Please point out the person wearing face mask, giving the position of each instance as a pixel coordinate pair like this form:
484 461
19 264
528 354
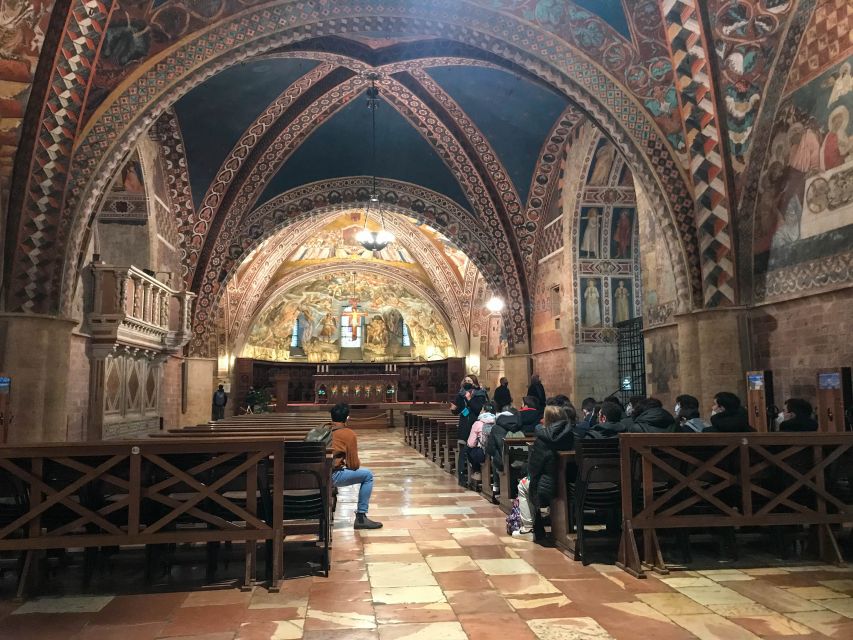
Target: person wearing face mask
728 415
467 405
687 415
797 416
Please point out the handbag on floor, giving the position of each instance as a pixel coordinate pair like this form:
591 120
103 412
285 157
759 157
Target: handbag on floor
513 518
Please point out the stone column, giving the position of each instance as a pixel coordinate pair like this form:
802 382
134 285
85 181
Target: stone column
200 380
712 353
35 354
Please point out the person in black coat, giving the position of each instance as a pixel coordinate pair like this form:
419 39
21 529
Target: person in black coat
728 415
538 488
467 405
537 391
797 416
650 417
503 398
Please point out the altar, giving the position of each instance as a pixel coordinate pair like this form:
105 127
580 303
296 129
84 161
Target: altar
366 388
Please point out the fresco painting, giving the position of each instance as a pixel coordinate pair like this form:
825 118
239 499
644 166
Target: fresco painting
622 233
591 302
337 241
805 203
384 306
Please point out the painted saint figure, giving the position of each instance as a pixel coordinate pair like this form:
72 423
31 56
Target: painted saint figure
328 328
837 145
592 313
623 236
623 310
590 241
603 164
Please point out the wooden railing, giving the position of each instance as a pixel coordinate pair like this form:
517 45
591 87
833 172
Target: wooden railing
143 492
730 480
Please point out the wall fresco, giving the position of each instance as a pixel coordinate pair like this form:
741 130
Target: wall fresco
319 304
805 203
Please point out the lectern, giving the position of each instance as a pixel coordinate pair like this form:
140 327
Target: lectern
759 400
834 400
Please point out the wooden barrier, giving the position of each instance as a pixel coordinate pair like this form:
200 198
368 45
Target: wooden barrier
731 480
513 448
144 492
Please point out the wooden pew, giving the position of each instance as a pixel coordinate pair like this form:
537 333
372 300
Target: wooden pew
106 489
513 448
745 479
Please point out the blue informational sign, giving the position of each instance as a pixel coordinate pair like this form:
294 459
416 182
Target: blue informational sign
626 383
5 384
755 381
829 380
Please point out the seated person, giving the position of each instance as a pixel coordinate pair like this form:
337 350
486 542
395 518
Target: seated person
616 401
650 417
687 415
610 423
728 415
528 417
347 469
586 418
538 487
797 416
480 431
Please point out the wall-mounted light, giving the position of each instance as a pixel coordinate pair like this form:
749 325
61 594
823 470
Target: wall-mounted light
495 304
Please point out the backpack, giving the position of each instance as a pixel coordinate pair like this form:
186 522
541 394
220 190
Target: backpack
513 518
320 434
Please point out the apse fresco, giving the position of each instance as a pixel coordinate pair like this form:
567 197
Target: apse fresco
337 241
805 203
320 304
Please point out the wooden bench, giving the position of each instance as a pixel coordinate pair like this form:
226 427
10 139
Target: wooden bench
513 449
731 480
90 495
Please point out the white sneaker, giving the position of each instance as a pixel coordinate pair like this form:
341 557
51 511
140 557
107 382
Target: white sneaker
523 535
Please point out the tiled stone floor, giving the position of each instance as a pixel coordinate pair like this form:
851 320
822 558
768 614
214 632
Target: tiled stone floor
443 568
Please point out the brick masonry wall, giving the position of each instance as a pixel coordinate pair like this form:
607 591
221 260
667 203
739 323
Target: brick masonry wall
554 369
77 399
796 338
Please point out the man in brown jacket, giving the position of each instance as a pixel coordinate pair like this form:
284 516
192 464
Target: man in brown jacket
347 469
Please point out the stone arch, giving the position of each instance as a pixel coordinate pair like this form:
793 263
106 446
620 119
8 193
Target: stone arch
41 283
309 201
263 267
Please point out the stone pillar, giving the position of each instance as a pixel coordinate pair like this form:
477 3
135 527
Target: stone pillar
35 354
517 372
712 353
200 383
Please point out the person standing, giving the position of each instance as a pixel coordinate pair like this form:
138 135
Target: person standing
220 399
346 467
537 391
503 398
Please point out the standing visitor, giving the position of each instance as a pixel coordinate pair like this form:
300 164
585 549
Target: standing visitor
537 391
220 399
503 398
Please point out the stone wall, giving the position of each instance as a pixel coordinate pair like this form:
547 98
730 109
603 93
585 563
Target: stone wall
78 388
794 339
200 383
170 393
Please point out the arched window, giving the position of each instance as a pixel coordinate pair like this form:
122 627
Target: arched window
404 331
296 336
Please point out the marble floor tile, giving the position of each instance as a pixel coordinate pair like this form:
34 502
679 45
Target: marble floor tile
740 610
407 613
503 567
275 630
672 603
774 624
717 594
678 582
443 564
148 631
464 602
580 628
829 623
388 548
640 610
397 574
523 584
843 586
408 595
431 545
726 575
347 615
463 581
428 631
816 593
710 626
481 626
215 597
779 600
843 606
64 604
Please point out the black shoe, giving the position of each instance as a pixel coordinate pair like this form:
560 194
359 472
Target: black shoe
363 522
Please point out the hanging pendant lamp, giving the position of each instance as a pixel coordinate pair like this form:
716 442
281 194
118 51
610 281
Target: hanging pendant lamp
374 241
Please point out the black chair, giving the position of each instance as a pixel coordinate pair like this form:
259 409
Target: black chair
307 496
596 487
